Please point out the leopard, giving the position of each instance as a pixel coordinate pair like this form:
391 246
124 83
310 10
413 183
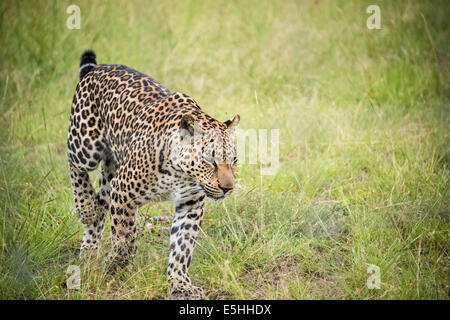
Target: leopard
150 145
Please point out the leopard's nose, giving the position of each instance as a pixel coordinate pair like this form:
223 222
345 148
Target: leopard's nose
225 189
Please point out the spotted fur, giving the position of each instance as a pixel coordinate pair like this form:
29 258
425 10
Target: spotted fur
153 145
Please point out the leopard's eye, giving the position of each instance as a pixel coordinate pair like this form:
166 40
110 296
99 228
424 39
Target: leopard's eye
211 161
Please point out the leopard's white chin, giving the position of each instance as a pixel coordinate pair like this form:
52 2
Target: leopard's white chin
216 199
213 198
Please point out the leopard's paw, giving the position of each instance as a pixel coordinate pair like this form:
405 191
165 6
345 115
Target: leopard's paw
187 293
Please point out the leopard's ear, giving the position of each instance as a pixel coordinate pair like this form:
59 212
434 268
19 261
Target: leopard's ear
232 123
187 123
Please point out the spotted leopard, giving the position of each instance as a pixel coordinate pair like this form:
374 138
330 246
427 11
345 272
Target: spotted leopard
152 145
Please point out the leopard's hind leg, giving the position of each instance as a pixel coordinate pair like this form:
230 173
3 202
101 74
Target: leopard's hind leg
86 206
93 232
87 148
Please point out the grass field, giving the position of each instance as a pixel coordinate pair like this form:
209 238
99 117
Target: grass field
364 145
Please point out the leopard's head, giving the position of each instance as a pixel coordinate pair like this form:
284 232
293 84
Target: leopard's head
206 153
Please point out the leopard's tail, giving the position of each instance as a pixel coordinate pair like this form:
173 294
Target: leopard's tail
87 62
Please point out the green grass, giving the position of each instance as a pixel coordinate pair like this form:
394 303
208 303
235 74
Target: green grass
364 145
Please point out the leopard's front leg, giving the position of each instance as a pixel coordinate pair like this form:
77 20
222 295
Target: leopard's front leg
184 232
